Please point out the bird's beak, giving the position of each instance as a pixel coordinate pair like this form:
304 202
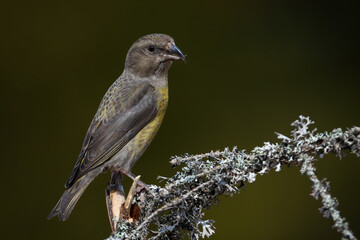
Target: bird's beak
176 52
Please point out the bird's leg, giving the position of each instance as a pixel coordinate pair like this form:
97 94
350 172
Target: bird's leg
141 184
116 179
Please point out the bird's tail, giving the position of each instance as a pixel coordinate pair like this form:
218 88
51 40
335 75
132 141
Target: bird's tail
70 197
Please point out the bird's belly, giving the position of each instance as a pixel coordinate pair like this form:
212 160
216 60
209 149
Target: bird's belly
146 135
127 157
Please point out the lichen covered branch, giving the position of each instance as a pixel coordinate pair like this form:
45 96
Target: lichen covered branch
329 203
177 206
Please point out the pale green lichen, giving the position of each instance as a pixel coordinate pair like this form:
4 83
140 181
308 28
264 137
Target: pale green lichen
176 209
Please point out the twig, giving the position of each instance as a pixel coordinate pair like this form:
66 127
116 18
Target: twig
131 194
329 204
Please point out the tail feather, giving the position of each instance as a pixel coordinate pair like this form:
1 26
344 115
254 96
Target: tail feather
70 197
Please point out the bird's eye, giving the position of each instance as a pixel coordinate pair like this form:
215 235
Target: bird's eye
151 48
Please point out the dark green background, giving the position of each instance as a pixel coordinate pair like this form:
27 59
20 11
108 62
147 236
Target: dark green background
253 67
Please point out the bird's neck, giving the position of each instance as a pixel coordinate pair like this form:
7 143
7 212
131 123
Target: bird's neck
145 71
155 80
163 68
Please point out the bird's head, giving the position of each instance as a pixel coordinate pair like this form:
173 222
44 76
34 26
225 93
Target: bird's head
152 55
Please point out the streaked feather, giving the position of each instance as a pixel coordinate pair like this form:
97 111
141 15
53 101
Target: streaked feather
134 107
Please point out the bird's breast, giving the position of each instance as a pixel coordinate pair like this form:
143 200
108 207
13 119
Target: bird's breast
145 136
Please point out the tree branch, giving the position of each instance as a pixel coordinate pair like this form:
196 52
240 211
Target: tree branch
178 205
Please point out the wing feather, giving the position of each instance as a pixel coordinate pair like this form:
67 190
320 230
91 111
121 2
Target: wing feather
123 112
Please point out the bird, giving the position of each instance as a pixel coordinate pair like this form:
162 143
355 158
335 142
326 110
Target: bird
127 118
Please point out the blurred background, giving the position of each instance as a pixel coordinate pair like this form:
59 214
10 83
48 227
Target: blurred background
252 68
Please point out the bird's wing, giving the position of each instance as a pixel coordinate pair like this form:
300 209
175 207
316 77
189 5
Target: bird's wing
121 115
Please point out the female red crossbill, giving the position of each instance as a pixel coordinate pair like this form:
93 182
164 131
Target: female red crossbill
127 119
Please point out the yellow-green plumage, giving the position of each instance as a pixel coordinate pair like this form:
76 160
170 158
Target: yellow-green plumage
129 116
149 131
